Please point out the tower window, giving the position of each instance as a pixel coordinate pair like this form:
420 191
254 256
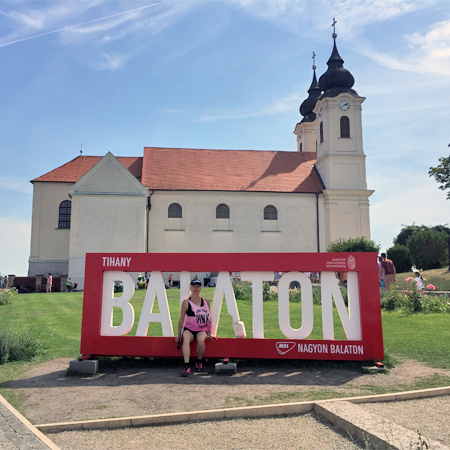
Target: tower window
270 213
175 211
65 211
345 127
301 147
222 211
321 132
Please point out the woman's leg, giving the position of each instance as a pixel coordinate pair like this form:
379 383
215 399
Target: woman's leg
201 337
187 339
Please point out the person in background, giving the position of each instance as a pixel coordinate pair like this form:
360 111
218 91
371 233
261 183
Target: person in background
419 280
170 280
69 285
48 288
387 271
380 278
194 323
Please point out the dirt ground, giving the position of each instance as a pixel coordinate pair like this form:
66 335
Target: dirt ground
48 394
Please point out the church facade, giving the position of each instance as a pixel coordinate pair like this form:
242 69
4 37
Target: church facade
212 201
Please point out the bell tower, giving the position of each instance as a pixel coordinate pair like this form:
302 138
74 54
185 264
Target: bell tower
306 129
340 155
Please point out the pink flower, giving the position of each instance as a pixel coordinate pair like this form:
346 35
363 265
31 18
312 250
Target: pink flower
408 279
430 286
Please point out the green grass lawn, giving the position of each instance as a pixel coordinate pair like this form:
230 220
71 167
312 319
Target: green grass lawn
440 278
57 317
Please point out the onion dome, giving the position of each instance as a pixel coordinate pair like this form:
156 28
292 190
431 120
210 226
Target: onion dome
306 108
336 79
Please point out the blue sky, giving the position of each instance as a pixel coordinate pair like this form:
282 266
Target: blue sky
118 75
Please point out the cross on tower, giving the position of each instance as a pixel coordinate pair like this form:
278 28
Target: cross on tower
314 61
334 28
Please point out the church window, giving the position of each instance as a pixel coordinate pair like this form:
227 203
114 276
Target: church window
175 211
301 147
270 213
222 211
345 127
321 132
65 209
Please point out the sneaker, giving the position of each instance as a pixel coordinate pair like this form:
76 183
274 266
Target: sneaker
186 372
198 367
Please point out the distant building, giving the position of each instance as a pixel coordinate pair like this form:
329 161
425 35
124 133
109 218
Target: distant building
192 200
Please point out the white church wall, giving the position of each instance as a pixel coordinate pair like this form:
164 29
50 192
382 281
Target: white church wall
245 231
105 223
49 250
346 214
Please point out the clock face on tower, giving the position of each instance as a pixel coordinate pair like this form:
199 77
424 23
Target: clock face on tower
344 105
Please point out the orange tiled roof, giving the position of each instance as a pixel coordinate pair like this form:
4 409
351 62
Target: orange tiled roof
216 170
229 170
72 171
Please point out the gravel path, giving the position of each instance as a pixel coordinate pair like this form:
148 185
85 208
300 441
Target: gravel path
431 416
299 432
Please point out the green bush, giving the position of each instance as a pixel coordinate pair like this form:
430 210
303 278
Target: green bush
19 345
360 244
7 296
399 254
414 301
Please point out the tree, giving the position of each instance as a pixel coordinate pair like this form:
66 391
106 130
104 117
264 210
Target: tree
360 244
406 232
442 174
399 254
428 249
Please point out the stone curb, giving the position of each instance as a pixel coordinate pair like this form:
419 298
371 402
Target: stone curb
39 435
232 413
371 429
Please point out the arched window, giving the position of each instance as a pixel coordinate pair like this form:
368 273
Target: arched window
175 211
345 127
222 211
321 132
270 213
301 147
65 209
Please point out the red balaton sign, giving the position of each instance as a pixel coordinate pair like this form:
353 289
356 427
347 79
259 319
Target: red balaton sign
361 320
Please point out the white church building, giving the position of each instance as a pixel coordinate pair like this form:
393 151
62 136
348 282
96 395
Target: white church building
213 201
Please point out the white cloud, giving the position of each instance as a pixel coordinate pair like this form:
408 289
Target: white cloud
287 103
16 184
15 244
406 203
111 61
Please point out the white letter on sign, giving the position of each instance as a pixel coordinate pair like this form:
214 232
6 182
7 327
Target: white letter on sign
224 286
109 301
284 318
257 279
351 321
155 287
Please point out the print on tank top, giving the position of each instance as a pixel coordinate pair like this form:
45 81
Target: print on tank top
201 321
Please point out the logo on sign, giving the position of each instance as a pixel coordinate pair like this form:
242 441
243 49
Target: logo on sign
284 347
351 262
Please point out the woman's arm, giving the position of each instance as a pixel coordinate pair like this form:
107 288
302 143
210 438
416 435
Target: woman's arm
184 307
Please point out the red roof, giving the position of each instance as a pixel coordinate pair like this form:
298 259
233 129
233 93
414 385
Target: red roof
72 171
229 170
201 170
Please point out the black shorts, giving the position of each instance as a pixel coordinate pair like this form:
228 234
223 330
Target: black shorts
194 333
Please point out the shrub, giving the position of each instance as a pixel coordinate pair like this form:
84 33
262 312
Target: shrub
7 296
19 345
399 254
360 244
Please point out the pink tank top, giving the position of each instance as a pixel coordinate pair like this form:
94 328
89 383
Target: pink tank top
201 321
